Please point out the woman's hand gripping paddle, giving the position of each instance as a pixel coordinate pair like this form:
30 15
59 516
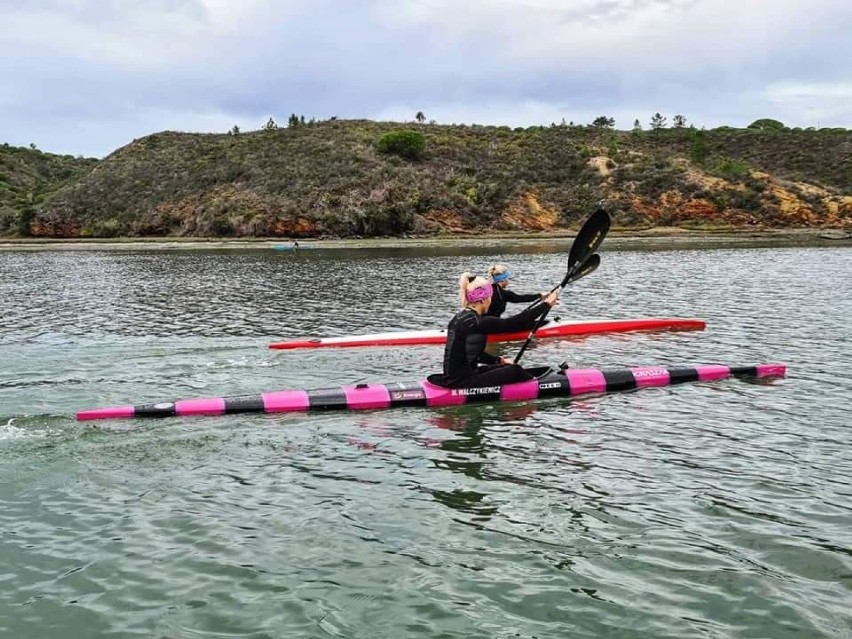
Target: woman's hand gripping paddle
582 260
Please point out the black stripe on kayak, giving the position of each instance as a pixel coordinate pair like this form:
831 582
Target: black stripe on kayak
244 404
682 374
553 384
163 409
619 380
406 394
327 399
744 371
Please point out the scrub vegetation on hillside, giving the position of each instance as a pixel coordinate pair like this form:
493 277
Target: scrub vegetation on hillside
364 178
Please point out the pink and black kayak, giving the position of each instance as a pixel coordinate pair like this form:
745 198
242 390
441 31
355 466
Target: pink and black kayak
548 382
555 329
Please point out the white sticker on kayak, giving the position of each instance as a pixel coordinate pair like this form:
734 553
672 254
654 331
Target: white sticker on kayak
478 390
649 372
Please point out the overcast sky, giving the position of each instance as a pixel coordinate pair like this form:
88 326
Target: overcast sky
88 76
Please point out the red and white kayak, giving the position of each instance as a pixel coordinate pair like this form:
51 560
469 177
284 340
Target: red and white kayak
548 382
555 329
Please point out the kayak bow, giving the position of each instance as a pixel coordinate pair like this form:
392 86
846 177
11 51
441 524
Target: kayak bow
548 382
555 329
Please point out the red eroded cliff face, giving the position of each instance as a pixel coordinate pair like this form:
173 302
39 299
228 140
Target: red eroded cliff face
526 213
757 199
55 228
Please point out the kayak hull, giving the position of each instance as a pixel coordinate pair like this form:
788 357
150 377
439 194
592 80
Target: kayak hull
555 329
548 382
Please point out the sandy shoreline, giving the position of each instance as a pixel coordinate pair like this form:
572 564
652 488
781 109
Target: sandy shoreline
618 240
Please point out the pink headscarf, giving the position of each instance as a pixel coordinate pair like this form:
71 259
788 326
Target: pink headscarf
478 294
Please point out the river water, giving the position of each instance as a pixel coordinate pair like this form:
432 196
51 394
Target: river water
701 510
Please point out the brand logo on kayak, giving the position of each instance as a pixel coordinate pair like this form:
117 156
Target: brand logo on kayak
406 394
549 385
481 390
649 372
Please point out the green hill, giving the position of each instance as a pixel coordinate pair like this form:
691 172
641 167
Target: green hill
28 177
350 178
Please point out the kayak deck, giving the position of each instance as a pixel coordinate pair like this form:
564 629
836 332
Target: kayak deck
548 382
555 329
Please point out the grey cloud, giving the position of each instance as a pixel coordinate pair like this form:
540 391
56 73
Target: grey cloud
184 61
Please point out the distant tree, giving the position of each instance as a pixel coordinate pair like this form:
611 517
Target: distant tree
767 124
637 128
332 118
698 150
678 121
25 220
658 122
234 131
293 120
420 117
603 122
406 144
270 125
301 119
33 146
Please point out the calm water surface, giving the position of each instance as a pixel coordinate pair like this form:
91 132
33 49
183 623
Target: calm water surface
704 510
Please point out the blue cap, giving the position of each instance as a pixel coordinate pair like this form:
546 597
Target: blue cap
500 277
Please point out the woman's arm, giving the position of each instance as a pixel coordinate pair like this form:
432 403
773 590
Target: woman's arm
511 296
524 320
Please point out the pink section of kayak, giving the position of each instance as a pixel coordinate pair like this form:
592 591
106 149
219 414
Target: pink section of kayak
285 401
585 380
520 391
646 376
712 372
439 396
207 406
370 396
771 370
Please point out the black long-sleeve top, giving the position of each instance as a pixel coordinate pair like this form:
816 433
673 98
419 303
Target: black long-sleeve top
466 340
500 296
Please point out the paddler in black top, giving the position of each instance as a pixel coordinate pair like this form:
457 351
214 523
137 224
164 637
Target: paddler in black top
466 363
500 274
